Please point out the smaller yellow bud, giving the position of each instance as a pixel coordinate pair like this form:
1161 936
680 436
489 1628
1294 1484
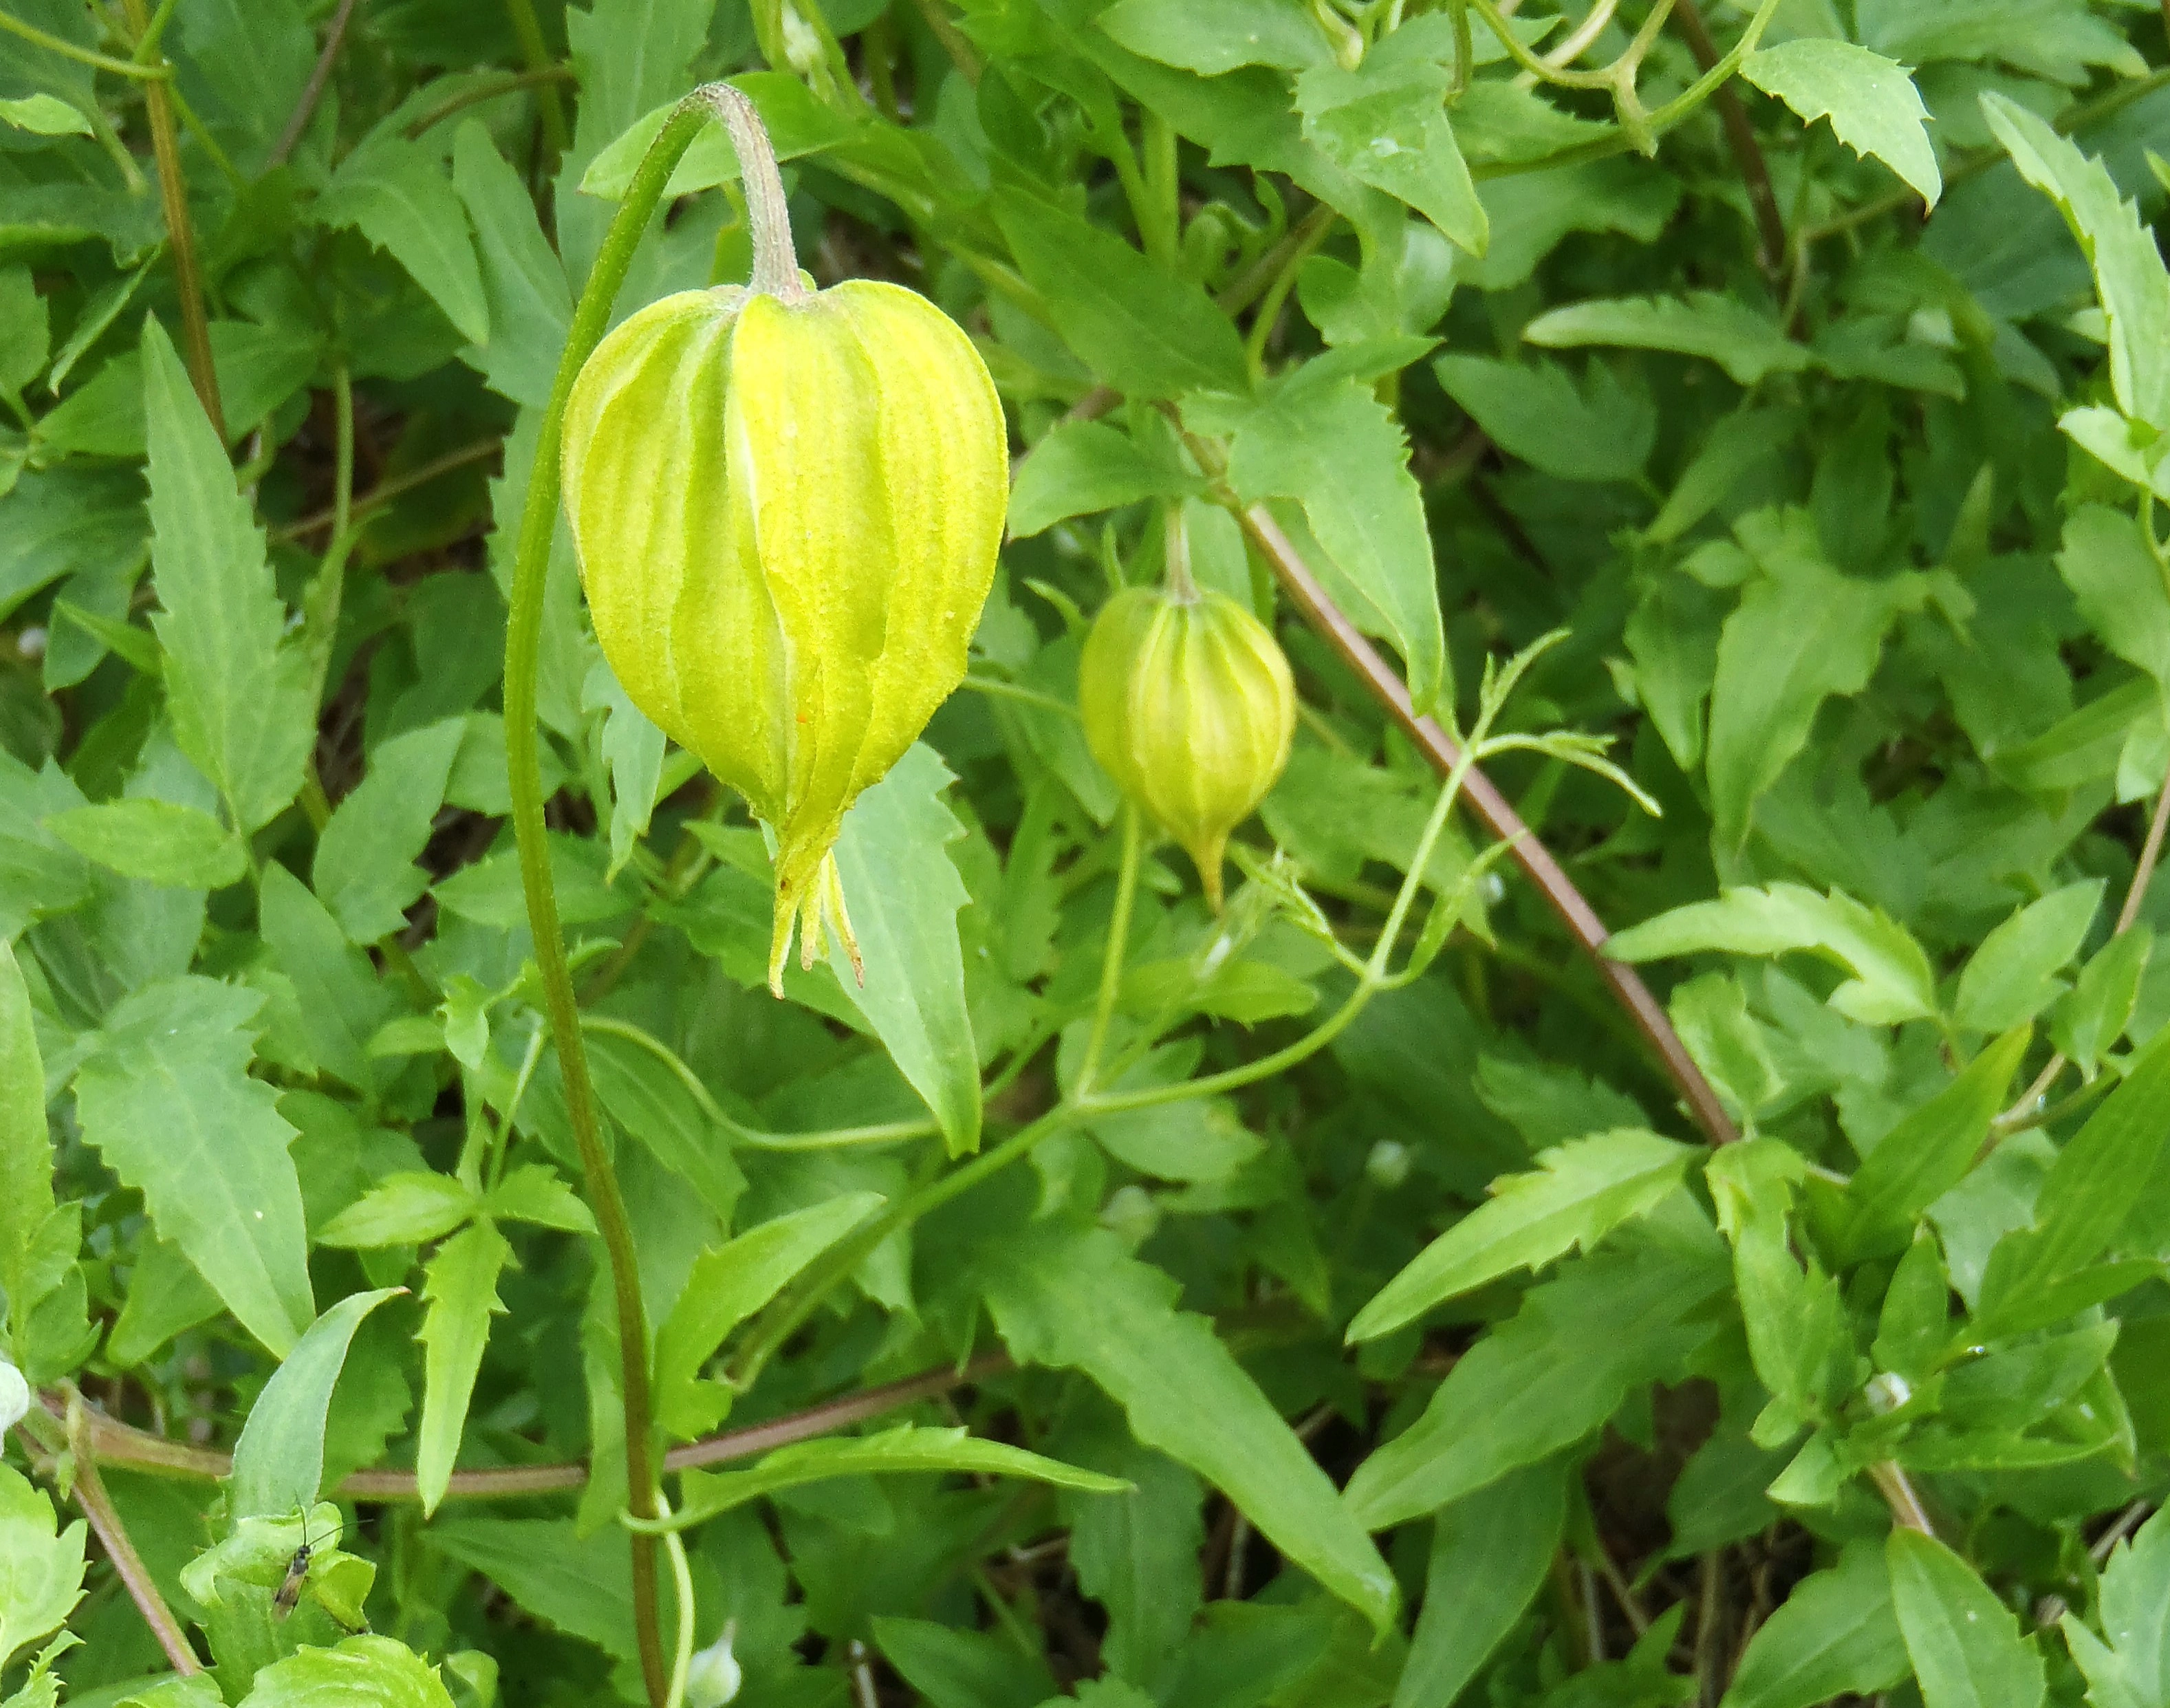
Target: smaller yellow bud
1189 705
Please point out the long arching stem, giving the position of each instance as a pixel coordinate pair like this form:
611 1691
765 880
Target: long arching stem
522 652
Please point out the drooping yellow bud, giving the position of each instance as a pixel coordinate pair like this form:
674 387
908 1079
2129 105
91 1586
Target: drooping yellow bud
1189 705
786 506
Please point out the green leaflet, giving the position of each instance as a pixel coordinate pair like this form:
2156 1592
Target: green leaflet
155 840
1544 1380
393 194
1325 444
40 1565
2127 268
1892 978
904 1449
1837 1635
727 1285
1144 333
1872 104
1584 1189
1490 1552
2091 1190
364 872
26 1155
1962 1641
238 686
1930 1150
1068 1295
904 894
279 1461
461 1293
167 1097
363 1670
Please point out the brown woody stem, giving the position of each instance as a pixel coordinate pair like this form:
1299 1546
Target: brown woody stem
1741 137
174 195
1498 817
113 1442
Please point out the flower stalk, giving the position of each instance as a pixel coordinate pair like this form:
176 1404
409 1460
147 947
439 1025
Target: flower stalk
523 643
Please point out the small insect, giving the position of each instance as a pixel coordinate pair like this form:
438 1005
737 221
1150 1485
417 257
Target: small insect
297 1571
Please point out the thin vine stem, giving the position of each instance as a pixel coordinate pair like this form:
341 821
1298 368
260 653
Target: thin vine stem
115 1442
536 52
2029 1111
1118 945
47 1436
523 645
783 1320
84 56
508 84
1651 125
173 197
828 1138
314 91
682 1581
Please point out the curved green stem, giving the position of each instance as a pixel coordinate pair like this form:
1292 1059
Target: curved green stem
1119 938
1654 124
1308 237
84 56
783 1320
995 687
523 643
681 1580
827 1138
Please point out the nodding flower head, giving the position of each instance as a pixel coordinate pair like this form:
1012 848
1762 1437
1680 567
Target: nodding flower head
787 507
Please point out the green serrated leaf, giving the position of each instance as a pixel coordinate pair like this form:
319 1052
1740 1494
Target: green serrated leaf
26 1151
460 1292
408 1208
167 1097
45 116
1491 1551
368 1672
2102 1172
40 1565
1084 467
157 841
1386 125
1872 104
1580 1192
1724 330
393 192
903 893
727 1285
1146 332
237 687
2128 267
1892 982
1834 1635
1329 446
1213 36
1548 1378
1929 1151
364 872
1596 430
1069 1296
2012 977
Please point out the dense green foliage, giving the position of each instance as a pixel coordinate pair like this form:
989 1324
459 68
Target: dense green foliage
1742 433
